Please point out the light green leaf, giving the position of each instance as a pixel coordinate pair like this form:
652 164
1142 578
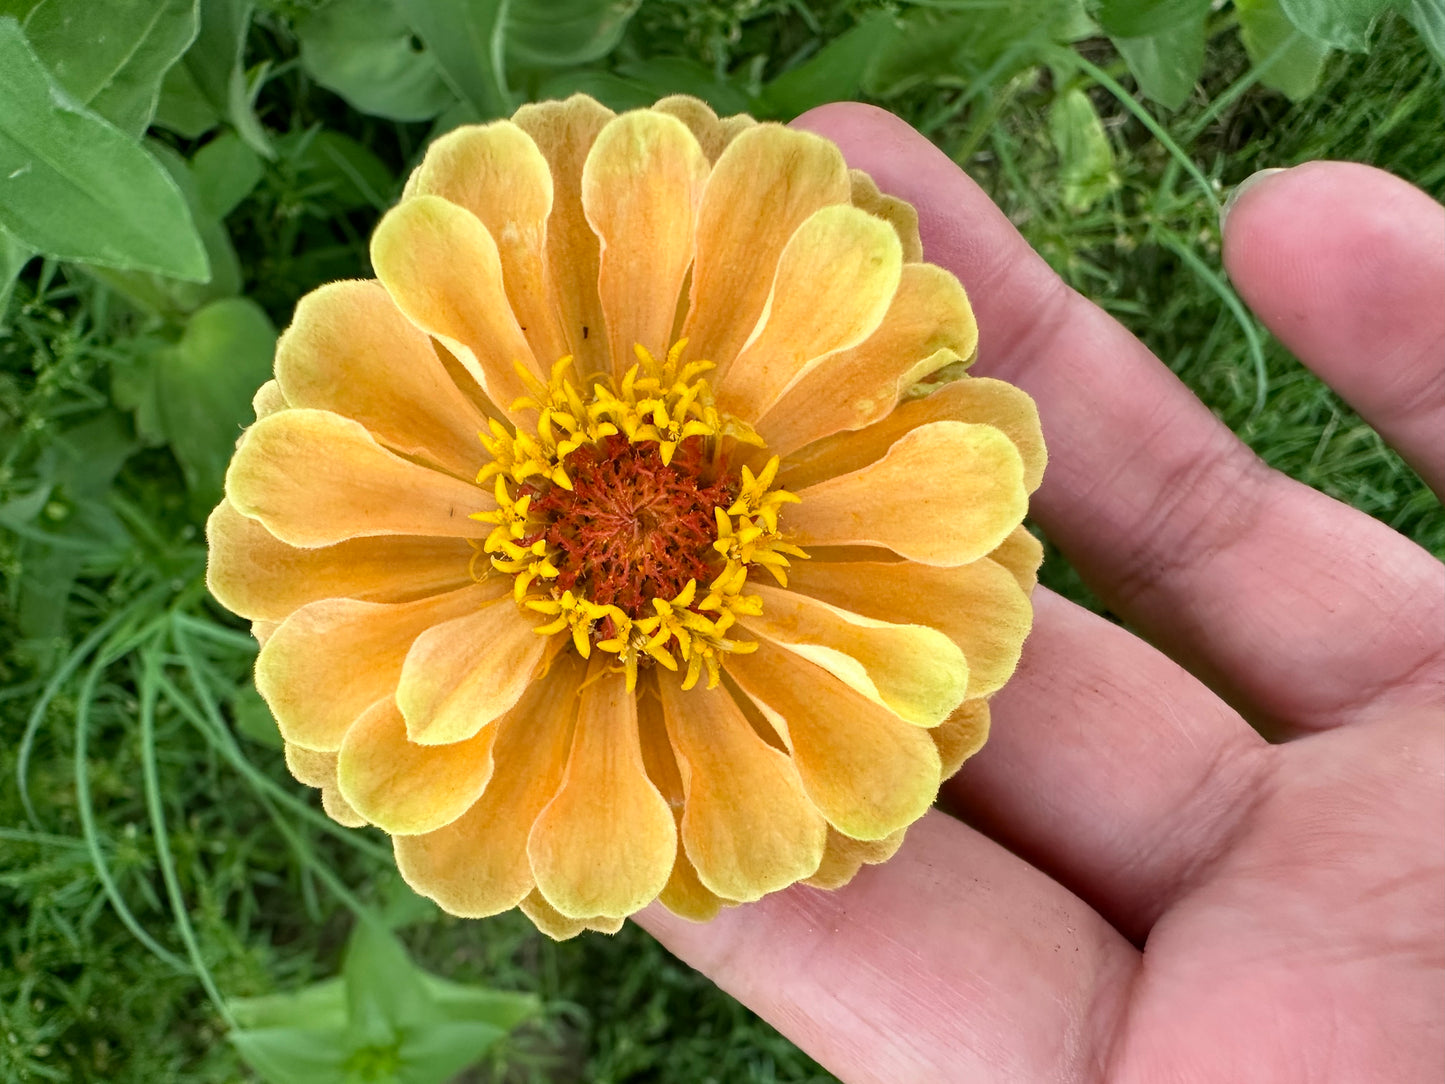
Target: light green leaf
835 73
317 1007
1145 18
1167 64
183 108
1428 17
13 258
1085 155
363 50
1343 24
216 63
457 1001
467 40
384 993
225 170
438 1052
111 55
204 386
293 1055
74 186
1287 59
565 33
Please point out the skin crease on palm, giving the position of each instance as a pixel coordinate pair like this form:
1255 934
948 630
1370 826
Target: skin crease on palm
1134 886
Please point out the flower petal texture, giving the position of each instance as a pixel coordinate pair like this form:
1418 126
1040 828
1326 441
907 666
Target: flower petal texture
637 534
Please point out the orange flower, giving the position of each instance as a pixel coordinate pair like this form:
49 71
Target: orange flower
720 595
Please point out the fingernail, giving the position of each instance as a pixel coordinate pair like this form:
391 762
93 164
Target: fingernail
1240 189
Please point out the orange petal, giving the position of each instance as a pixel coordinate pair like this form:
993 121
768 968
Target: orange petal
564 132
834 282
477 865
748 826
339 809
255 575
865 769
314 478
331 660
945 494
558 926
604 845
929 324
462 674
1021 553
712 134
979 606
349 350
640 189
896 212
961 735
404 788
915 672
844 857
443 270
496 172
311 766
764 186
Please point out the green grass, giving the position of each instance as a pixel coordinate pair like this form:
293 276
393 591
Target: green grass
159 844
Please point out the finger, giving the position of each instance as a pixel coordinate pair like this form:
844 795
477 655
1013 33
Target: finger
1298 609
1345 264
1110 768
952 961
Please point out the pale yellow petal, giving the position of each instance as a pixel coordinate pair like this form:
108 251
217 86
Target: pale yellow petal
945 494
256 575
866 770
477 865
263 630
311 766
929 324
641 186
331 660
961 735
713 134
835 280
748 825
844 857
1021 553
604 846
268 399
349 350
564 132
763 187
339 809
443 270
913 671
898 213
462 674
314 478
979 606
558 926
496 172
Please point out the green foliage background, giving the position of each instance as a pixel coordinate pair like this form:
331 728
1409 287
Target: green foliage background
175 182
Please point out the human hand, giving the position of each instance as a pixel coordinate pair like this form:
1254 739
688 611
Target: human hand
1141 888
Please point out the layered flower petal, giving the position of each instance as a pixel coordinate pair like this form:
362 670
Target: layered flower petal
1021 553
915 672
713 133
843 857
866 770
314 478
898 213
961 735
268 399
946 493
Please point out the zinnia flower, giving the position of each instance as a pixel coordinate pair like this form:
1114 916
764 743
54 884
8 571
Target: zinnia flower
720 594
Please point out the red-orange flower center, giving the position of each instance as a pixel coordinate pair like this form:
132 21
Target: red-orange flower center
633 528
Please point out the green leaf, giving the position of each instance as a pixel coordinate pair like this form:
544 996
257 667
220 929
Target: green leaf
292 1055
1085 154
1343 24
13 257
1428 17
835 73
1167 64
438 1052
216 63
316 1007
565 33
1287 60
204 386
335 171
1145 18
384 991
363 50
467 40
457 1001
253 719
183 107
78 188
111 55
225 170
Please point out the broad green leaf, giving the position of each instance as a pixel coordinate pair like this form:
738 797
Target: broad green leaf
13 257
204 386
1343 24
1086 157
467 40
111 55
320 1006
457 1001
614 91
215 62
78 188
363 50
294 1055
225 171
1167 64
835 73
384 992
1287 59
183 107
564 33
436 1053
663 75
1145 18
1428 17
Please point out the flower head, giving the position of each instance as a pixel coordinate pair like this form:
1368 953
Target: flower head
637 534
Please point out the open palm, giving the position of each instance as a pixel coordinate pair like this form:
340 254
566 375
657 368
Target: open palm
1137 886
